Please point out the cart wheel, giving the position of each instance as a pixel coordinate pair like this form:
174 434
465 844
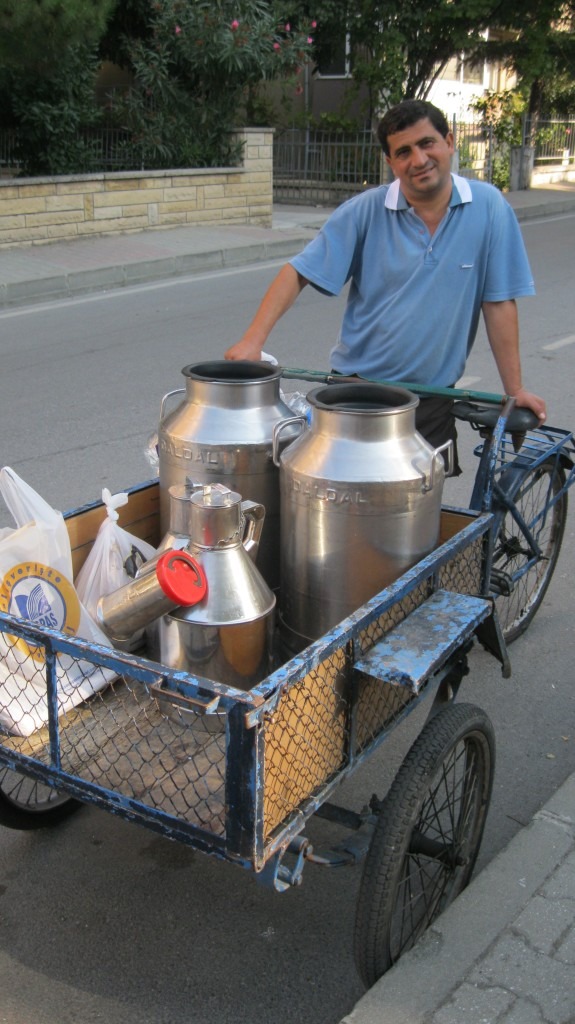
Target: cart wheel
427 836
518 596
27 804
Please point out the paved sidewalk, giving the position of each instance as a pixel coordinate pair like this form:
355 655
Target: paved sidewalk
64 269
504 951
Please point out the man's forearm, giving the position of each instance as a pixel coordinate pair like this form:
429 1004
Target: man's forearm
281 294
502 325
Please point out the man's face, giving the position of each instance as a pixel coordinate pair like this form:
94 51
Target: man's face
421 158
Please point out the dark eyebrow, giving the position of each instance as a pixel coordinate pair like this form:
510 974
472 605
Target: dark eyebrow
419 142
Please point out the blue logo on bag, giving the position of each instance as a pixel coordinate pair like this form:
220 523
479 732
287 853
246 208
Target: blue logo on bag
36 607
42 596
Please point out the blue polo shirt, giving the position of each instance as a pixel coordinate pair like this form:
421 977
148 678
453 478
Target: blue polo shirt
414 300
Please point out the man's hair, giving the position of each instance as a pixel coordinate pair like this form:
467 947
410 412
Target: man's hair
406 113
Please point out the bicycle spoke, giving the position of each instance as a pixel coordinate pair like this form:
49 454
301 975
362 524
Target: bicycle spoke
524 559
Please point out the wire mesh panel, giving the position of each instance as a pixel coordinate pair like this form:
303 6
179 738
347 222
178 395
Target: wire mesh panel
121 739
305 739
140 739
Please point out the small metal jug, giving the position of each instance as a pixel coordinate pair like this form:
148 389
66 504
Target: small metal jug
229 638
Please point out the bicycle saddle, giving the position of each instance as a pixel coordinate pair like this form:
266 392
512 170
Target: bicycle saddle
518 421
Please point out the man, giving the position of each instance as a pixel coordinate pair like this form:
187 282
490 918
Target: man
424 257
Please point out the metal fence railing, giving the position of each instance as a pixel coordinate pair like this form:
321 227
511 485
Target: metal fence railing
106 149
554 142
476 149
320 166
8 144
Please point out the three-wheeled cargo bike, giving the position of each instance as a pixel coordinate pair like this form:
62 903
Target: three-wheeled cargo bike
238 774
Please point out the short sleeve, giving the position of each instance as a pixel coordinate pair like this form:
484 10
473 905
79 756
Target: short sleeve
508 273
327 262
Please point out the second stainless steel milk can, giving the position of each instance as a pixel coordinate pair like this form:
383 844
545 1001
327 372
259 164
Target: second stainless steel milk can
360 503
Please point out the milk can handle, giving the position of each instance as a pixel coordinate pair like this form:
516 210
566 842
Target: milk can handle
277 431
254 515
447 447
170 394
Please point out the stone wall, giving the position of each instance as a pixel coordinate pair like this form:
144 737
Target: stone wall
37 210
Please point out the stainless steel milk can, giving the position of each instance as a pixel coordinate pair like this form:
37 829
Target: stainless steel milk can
360 504
222 432
228 636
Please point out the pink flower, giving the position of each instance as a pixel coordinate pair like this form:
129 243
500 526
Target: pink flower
310 40
288 27
235 25
314 24
177 30
277 46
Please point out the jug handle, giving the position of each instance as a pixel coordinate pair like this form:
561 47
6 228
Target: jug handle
429 483
170 394
254 515
277 431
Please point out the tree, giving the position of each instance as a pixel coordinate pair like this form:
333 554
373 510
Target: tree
54 114
192 66
400 47
35 33
539 47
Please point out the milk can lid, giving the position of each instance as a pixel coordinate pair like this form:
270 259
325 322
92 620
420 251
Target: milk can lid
181 577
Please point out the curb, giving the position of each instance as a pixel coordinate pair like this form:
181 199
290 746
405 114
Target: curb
82 282
426 977
550 209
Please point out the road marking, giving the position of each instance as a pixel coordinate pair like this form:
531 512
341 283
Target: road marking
148 286
562 343
465 383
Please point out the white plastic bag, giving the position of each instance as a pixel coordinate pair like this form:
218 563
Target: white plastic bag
36 584
113 561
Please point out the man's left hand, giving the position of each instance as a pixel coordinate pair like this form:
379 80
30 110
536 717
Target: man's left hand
527 400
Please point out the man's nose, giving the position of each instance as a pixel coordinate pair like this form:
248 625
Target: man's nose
418 156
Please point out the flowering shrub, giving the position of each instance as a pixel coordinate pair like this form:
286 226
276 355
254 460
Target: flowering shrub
195 69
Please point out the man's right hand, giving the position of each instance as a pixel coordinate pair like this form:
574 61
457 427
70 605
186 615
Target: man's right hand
281 294
245 348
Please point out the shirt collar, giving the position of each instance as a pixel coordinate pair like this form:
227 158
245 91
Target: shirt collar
461 193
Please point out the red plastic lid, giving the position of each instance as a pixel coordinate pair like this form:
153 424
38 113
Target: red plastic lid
181 578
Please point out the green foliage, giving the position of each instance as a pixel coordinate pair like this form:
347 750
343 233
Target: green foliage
195 71
34 33
502 112
400 46
559 96
54 112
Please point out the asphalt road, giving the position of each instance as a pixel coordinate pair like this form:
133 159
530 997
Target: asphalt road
103 921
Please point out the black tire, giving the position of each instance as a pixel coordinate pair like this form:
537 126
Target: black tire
517 602
426 838
27 804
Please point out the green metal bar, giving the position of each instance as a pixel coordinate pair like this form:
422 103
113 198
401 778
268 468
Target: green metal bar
320 377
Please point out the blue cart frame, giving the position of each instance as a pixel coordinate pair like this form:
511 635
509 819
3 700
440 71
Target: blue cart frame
238 774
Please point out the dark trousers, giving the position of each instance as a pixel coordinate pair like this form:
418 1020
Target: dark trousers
435 422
